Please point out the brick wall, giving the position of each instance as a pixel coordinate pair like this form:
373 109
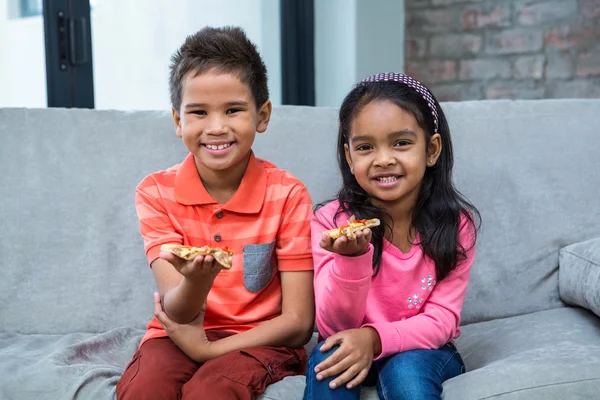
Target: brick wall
504 49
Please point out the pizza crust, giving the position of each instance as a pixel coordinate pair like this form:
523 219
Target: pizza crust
223 256
352 227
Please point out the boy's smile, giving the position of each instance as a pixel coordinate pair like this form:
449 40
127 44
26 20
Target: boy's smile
218 121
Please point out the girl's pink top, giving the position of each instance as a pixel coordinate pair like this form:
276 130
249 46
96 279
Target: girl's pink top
405 303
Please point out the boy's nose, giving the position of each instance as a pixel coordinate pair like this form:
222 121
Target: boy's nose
215 126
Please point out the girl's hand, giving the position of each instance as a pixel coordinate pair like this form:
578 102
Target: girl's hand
190 338
352 360
346 246
201 269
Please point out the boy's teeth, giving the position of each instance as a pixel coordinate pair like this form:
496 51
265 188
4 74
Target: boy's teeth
219 147
387 179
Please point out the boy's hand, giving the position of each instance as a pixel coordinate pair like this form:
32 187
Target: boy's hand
190 338
201 269
346 246
352 361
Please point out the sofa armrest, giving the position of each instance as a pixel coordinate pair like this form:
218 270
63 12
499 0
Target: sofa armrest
579 275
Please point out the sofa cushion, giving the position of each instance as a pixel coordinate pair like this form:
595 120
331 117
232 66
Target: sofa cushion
546 355
579 275
531 169
71 175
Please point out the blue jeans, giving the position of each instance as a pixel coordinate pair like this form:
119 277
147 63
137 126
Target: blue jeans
414 374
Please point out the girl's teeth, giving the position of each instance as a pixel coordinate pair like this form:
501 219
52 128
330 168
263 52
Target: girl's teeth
387 179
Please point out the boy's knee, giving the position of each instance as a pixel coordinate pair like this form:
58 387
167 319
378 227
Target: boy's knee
140 389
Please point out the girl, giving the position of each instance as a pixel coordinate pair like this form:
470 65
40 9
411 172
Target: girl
389 301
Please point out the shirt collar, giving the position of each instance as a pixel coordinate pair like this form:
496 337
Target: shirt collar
248 199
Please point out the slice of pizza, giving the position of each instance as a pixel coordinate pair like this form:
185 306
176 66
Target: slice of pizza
222 255
352 227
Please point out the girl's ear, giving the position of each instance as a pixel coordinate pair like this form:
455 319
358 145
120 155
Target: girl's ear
264 116
348 159
177 121
434 150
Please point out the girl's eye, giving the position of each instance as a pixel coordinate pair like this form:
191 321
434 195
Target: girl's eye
363 147
402 143
233 110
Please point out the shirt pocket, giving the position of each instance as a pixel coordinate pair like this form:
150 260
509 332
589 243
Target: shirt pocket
258 266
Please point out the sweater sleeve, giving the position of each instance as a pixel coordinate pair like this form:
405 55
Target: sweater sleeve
439 319
341 283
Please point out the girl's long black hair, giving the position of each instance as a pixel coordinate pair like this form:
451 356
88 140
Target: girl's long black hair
437 214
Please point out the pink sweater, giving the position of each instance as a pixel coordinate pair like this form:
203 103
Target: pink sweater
404 302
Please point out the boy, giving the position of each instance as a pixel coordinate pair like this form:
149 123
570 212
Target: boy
222 334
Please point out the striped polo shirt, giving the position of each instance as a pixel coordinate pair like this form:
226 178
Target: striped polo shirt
266 224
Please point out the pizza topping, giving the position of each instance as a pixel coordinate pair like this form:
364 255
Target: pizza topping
223 256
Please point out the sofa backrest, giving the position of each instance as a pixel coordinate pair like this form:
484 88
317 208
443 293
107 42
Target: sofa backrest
72 256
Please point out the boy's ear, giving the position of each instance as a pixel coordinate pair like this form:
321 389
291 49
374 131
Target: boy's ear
434 150
177 121
348 159
264 116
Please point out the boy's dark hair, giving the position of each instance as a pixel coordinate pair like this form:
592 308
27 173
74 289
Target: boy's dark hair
227 50
437 214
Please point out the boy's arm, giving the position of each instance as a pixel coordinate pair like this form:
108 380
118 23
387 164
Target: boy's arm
182 298
293 328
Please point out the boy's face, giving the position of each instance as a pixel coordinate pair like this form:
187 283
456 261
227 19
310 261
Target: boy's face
218 120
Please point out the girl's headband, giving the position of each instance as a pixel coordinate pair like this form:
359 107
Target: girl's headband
413 84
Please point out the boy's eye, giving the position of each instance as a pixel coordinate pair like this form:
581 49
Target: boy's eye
233 110
199 112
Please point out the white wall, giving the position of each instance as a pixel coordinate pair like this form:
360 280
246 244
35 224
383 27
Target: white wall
22 60
335 50
132 44
354 39
133 41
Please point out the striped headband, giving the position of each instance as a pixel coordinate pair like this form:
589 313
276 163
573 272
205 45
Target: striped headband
410 82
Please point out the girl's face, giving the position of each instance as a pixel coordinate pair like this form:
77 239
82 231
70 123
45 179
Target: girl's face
388 154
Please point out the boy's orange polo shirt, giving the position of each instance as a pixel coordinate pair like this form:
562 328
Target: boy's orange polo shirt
266 224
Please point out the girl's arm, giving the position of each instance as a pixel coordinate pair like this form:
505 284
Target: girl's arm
439 318
341 283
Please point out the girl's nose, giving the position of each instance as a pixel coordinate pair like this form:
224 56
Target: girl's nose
384 159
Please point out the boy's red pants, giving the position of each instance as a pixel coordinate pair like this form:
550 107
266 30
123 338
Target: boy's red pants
160 370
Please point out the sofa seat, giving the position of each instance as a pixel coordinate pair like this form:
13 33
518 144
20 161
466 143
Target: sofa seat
70 366
548 354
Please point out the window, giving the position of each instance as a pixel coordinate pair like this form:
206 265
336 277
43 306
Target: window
30 8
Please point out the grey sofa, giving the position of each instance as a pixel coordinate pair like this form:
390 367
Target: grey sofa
76 292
